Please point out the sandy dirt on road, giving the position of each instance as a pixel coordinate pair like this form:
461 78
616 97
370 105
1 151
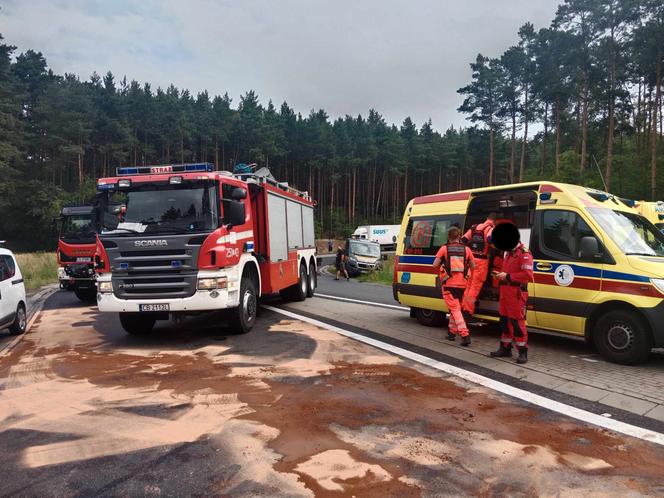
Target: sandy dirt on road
301 411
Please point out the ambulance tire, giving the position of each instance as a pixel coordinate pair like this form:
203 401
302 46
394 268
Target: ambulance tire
622 337
243 318
137 323
312 281
430 318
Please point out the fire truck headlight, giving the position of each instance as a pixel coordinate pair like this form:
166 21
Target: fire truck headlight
212 283
658 283
105 287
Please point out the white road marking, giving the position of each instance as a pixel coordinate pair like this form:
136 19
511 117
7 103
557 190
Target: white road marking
515 392
357 301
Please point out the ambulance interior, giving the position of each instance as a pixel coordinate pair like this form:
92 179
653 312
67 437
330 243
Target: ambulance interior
516 205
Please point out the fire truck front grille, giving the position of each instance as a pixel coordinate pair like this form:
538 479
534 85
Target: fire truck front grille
154 286
154 273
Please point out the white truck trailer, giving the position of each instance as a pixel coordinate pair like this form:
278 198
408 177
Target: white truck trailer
385 235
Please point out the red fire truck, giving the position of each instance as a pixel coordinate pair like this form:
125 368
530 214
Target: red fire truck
182 239
76 250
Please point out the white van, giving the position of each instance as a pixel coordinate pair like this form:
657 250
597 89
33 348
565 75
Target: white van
13 313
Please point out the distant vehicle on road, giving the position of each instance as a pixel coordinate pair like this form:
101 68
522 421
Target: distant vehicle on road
77 242
182 239
13 303
385 235
598 263
653 212
363 256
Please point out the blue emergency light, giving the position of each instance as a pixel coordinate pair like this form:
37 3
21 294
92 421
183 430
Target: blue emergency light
166 168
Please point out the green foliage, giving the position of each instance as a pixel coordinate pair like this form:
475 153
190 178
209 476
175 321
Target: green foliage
384 275
38 268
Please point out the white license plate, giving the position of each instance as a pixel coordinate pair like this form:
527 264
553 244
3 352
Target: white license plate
83 260
154 307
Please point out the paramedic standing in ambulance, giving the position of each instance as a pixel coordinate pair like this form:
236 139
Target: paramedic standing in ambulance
477 238
517 271
453 261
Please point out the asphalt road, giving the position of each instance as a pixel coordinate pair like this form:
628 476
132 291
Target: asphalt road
287 410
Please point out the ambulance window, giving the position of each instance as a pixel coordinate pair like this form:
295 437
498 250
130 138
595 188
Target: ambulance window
562 232
425 235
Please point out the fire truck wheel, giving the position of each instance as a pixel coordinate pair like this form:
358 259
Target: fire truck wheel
622 337
312 281
429 318
86 295
20 322
242 319
137 323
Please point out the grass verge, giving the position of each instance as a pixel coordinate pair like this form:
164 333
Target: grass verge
38 268
383 276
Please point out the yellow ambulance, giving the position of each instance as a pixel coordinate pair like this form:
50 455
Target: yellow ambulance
598 264
653 211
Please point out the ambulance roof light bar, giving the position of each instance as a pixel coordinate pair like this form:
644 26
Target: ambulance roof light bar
166 168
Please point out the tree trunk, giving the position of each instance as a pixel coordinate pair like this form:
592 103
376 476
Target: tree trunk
653 129
544 137
513 146
491 155
522 165
216 152
557 136
584 134
609 145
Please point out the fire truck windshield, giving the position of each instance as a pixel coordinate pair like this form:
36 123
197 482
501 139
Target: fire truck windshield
163 209
77 229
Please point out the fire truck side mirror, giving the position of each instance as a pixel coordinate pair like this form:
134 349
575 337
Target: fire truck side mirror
235 213
239 193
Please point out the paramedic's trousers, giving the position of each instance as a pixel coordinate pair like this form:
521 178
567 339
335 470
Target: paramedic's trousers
453 297
477 279
513 300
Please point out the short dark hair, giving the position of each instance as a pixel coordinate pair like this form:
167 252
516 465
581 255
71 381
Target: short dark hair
453 233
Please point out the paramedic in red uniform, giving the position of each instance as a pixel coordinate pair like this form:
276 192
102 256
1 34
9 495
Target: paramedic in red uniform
478 238
516 272
453 261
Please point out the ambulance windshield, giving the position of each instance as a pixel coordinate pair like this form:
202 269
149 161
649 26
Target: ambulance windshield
634 234
152 209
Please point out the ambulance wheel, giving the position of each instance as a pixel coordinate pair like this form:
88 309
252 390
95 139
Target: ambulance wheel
430 318
312 281
137 323
243 318
622 337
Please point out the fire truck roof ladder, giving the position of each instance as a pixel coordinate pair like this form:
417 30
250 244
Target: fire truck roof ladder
263 175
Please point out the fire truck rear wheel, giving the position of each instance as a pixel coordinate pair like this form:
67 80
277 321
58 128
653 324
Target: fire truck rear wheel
312 281
137 323
242 319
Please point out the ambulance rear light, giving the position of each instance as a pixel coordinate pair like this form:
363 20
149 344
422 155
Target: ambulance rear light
167 168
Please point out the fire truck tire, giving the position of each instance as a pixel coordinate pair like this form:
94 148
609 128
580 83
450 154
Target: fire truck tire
86 295
243 318
20 322
297 292
312 281
429 318
137 323
622 336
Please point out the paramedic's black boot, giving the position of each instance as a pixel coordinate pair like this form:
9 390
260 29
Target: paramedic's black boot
450 336
465 341
504 351
523 356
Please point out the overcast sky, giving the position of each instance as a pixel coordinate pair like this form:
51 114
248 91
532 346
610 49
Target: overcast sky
402 58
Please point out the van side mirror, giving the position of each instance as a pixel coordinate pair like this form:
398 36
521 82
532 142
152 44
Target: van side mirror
590 249
235 213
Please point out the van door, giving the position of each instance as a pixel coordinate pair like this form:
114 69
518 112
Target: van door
565 283
8 301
